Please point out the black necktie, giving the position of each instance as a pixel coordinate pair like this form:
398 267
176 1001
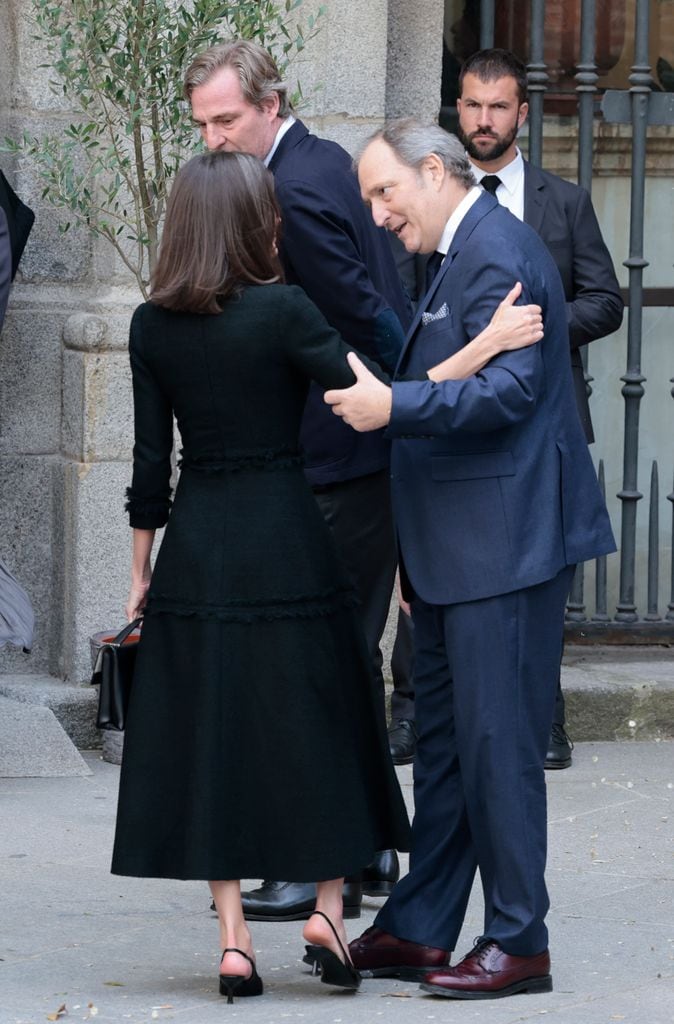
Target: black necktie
490 183
432 267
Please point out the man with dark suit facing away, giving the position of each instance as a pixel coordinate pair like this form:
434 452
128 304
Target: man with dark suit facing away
16 221
5 265
492 107
330 247
495 501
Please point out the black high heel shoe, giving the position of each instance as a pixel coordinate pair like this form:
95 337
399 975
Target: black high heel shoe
333 970
235 984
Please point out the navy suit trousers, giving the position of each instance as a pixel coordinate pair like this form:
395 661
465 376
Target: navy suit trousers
486 675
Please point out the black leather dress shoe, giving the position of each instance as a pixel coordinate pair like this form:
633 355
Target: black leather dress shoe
559 748
379 877
402 740
293 901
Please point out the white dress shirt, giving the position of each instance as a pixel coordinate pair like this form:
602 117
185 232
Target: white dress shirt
510 192
452 224
286 126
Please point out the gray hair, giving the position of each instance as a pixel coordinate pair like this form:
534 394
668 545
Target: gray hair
413 141
254 65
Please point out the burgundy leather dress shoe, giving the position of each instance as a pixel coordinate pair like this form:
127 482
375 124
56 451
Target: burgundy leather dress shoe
489 973
376 954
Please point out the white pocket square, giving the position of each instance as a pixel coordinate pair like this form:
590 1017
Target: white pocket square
440 314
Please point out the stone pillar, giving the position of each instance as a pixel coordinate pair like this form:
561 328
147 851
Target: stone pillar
65 404
414 58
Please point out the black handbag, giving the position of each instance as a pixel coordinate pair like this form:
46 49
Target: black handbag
113 674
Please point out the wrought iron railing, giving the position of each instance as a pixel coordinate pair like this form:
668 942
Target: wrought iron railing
638 106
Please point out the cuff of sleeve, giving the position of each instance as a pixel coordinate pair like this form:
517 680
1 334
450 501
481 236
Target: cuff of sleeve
147 513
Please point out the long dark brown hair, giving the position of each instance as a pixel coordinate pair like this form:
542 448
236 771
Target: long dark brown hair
222 221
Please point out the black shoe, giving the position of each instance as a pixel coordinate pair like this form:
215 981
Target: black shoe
402 740
236 985
559 748
379 877
333 970
293 901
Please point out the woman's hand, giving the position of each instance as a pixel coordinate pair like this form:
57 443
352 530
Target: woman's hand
141 573
404 605
512 326
137 598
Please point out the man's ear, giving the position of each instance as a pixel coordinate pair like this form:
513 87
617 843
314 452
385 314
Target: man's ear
521 114
434 168
271 105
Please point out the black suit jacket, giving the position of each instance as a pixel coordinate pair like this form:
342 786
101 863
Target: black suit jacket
19 220
5 265
332 249
16 220
562 214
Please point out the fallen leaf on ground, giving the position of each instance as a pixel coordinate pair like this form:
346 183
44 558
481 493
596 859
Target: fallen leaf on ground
61 1012
114 984
397 995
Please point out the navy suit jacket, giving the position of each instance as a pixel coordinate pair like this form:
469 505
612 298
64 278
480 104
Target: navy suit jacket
332 249
563 215
493 486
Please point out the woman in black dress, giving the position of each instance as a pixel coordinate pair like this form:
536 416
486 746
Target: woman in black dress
255 745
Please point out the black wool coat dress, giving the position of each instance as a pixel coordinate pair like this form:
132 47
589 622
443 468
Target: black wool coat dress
255 746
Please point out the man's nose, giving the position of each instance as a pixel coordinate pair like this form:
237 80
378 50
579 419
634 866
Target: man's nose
380 214
214 137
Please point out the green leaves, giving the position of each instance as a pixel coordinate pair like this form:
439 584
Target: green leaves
120 64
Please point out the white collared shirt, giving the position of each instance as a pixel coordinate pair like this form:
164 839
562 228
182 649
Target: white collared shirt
510 192
452 224
286 126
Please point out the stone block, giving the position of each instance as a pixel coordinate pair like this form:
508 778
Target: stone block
30 381
51 253
31 547
74 707
343 68
97 405
33 744
619 692
414 59
347 133
7 58
31 85
97 574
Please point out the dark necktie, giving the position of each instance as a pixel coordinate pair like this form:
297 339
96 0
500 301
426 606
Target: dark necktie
490 183
432 267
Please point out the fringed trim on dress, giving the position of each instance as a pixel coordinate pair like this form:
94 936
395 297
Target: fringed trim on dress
301 607
147 513
238 459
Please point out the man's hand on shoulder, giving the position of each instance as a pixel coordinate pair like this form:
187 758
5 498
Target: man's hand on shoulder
366 405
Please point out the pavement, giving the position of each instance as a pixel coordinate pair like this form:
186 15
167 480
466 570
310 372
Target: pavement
77 943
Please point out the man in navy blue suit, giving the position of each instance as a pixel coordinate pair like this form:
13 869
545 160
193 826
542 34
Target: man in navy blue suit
495 501
330 247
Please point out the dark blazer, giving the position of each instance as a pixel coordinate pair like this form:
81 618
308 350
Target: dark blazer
19 220
563 215
5 265
493 486
332 249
